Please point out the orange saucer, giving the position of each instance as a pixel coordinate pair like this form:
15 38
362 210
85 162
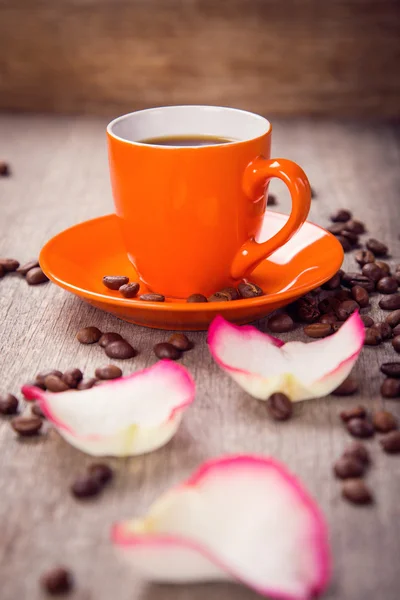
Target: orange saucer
78 258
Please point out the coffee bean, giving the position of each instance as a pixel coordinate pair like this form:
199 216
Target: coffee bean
364 257
72 377
86 487
271 200
152 297
108 372
351 236
348 387
8 404
329 304
355 226
396 343
9 264
394 318
356 492
318 330
373 336
87 384
342 215
280 323
342 295
384 421
378 248
391 442
114 282
197 298
387 285
346 308
372 271
4 169
333 283
40 377
384 267
345 243
26 426
180 341
392 302
390 388
357 412
165 350
129 290
391 369
397 277
249 290
360 428
348 466
2 272
23 269
109 337
36 276
57 581
221 296
37 411
120 349
101 472
232 292
336 228
88 335
55 384
360 295
279 407
306 310
385 330
359 451
351 279
328 318
368 322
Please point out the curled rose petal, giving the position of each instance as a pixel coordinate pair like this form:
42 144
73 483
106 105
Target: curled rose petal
263 365
241 518
122 417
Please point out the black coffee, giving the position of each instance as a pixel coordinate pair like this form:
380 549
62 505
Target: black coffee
186 140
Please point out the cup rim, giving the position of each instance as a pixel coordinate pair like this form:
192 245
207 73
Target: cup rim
260 118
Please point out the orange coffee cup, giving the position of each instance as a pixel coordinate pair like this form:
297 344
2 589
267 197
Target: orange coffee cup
190 216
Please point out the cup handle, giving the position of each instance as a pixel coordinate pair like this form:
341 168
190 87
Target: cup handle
256 176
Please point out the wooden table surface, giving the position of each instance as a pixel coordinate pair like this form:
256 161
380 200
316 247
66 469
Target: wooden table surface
59 178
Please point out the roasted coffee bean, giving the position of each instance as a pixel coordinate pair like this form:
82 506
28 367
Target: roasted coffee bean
86 487
88 335
355 226
351 279
152 297
358 450
87 384
318 330
329 304
392 302
36 276
221 296
391 442
360 428
40 377
4 169
372 271
55 384
391 369
348 466
342 215
234 294
109 337
8 404
129 290
357 412
345 309
336 326
336 228
394 318
384 421
363 257
108 372
348 387
279 407
351 236
306 310
385 330
387 285
360 295
356 492
2 272
249 290
280 323
72 377
26 426
390 388
368 322
345 243
333 283
165 350
57 581
197 298
373 336
328 318
37 411
101 472
114 282
271 200
25 268
120 349
9 264
397 277
396 343
396 330
384 267
180 341
377 247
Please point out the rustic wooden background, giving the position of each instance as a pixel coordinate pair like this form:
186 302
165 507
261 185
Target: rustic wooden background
337 57
60 177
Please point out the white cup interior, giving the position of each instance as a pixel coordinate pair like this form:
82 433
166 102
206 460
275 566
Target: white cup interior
231 123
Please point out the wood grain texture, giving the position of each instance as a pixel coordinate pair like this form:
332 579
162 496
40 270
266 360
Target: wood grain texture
60 177
337 57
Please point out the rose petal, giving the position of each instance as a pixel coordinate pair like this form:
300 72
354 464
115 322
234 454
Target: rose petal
300 370
240 518
122 417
